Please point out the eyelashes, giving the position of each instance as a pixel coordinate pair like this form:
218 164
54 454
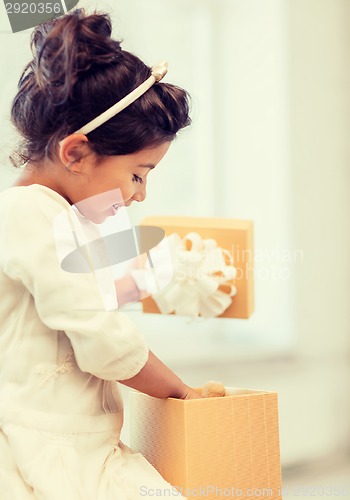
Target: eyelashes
136 178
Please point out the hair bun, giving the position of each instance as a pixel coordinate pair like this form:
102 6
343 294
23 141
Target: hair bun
68 46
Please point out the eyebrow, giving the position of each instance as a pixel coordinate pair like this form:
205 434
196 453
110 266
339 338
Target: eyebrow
146 165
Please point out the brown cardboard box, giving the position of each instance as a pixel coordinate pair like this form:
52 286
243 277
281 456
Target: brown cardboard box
233 235
214 447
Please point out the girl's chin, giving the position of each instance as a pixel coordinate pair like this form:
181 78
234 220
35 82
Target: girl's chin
97 217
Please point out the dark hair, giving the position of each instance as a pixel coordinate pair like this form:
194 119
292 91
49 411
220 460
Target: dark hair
77 72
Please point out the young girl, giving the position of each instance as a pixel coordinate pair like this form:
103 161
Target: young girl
62 350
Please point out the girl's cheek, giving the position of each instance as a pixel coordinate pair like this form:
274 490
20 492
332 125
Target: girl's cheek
128 193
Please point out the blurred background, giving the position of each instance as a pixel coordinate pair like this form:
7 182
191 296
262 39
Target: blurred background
270 87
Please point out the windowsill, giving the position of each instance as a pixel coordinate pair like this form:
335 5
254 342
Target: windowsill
207 342
187 352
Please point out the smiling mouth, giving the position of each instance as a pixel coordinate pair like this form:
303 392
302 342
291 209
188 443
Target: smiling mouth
116 206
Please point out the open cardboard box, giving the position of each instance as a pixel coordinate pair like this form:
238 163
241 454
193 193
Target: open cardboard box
212 447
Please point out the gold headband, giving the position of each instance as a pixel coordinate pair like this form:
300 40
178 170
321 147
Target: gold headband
157 73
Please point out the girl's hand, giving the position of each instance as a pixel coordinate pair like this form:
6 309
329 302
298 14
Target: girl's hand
157 380
191 394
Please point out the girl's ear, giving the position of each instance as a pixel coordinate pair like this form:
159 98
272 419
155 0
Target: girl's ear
72 149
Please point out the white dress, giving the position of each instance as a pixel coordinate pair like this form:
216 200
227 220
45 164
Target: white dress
61 351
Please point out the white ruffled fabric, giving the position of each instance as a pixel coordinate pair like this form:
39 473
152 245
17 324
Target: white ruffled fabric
200 268
61 351
81 466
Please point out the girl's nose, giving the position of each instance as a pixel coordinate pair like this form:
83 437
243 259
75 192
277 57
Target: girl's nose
140 194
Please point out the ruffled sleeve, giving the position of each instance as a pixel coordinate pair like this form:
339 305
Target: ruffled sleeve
106 343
